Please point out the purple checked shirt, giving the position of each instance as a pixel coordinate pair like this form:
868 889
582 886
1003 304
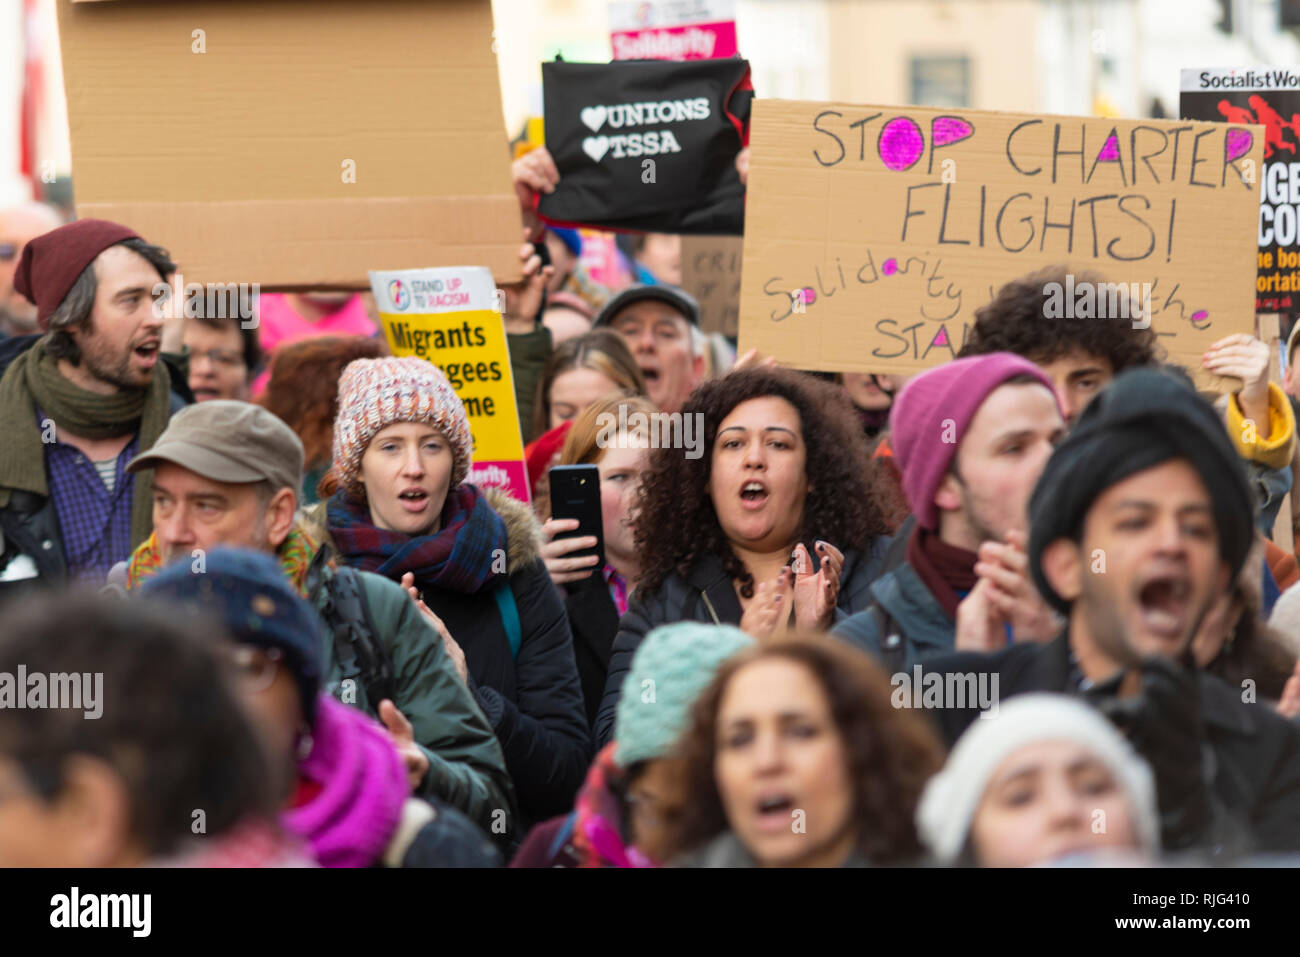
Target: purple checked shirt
95 523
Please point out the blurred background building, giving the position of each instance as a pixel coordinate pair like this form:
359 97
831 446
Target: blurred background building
1111 57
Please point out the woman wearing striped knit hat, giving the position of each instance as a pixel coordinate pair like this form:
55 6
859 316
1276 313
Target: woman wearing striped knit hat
398 504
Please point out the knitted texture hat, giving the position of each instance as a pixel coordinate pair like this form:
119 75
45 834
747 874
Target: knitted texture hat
932 413
375 393
247 593
51 262
671 668
952 796
1144 418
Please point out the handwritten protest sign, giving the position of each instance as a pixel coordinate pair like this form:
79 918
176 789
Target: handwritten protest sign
874 233
448 317
711 273
1271 98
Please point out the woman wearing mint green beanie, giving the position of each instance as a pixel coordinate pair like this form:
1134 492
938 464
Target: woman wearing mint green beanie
623 808
797 757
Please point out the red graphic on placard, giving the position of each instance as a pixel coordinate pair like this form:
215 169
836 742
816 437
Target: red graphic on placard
1263 114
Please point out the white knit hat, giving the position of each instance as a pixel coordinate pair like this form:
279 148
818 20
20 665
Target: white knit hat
375 393
951 797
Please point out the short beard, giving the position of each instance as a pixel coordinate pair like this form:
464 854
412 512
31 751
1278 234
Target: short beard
1110 634
974 521
114 371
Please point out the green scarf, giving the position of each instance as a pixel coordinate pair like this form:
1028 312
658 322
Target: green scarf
33 379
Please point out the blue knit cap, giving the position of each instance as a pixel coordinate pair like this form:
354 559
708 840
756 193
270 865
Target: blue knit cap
671 668
247 593
571 238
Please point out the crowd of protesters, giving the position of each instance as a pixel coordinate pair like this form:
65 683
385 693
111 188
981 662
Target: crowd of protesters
1035 605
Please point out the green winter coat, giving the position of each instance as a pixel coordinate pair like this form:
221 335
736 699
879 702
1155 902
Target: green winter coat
466 766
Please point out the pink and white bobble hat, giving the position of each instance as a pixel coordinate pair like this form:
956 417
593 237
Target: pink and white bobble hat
375 393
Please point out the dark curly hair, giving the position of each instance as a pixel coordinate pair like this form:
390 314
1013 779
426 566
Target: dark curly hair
676 523
892 752
1014 322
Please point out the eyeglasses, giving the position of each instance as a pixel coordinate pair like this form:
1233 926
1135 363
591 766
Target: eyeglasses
256 666
8 251
219 357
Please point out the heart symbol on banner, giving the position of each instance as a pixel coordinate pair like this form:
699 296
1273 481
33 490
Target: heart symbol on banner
593 117
595 146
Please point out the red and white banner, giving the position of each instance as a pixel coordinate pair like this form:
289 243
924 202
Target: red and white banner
673 30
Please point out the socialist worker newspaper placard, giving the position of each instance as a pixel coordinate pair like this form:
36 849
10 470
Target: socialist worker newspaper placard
1271 98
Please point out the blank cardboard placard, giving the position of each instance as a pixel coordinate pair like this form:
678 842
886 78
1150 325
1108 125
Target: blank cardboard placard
711 273
873 233
296 144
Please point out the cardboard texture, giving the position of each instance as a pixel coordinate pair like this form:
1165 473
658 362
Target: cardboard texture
711 273
293 144
874 233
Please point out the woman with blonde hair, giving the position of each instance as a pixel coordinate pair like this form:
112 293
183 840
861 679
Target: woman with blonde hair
580 371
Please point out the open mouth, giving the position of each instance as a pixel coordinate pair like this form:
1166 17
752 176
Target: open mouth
148 350
650 375
754 494
773 810
1164 603
414 499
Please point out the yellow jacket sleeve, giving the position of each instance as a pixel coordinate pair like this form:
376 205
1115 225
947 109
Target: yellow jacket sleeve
1275 451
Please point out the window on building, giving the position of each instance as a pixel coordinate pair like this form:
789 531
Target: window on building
942 81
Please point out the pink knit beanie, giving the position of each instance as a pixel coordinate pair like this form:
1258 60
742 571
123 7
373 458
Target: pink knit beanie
375 393
932 413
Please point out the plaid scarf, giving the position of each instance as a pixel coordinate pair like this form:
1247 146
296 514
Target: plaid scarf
458 557
295 555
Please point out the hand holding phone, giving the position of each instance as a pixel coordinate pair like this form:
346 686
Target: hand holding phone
575 517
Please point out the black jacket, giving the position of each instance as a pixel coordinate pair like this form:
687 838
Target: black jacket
533 701
593 619
1253 753
710 596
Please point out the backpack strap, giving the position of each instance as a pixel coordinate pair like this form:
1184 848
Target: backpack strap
360 651
505 597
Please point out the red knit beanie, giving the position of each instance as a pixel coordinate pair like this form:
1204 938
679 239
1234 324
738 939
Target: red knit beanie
541 450
51 262
932 413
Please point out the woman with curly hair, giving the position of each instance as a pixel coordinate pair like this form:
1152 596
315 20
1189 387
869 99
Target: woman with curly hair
304 392
780 482
798 758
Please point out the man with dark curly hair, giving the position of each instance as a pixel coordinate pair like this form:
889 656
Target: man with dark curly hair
1080 356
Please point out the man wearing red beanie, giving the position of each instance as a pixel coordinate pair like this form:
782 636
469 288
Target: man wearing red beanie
970 437
89 395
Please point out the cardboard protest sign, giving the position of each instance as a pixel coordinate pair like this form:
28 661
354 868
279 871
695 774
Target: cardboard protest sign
711 273
672 29
647 145
293 145
1271 98
449 317
874 233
